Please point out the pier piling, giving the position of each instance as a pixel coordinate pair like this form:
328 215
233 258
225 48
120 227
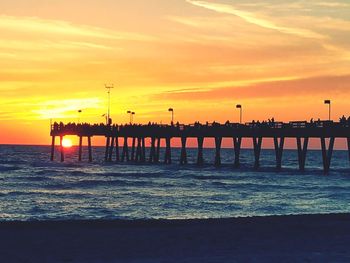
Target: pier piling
138 150
302 151
257 142
327 154
107 148
183 158
218 141
143 154
125 152
111 148
52 148
117 157
61 149
279 144
133 145
158 151
152 154
90 149
237 142
80 148
200 159
167 159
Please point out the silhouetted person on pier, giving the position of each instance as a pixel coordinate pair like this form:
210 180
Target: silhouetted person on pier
342 121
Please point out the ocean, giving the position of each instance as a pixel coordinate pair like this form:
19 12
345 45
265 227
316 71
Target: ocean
33 188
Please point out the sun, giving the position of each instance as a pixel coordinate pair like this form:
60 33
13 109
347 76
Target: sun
67 143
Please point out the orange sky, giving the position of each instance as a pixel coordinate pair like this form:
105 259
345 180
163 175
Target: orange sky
278 59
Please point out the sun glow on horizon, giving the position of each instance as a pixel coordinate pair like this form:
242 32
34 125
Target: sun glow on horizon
67 143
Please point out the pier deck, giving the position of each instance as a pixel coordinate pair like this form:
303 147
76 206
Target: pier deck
302 131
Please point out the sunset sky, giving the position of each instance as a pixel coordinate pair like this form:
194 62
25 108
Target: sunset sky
278 59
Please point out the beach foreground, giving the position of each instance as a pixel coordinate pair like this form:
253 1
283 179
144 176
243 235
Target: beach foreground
305 238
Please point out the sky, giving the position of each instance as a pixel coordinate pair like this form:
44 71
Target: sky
278 59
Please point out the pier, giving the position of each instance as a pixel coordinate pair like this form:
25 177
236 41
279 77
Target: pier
301 131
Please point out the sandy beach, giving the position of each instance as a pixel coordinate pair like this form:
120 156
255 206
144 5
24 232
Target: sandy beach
306 238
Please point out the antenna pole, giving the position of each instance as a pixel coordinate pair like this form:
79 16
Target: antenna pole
109 102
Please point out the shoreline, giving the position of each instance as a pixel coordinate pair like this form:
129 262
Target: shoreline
189 221
311 238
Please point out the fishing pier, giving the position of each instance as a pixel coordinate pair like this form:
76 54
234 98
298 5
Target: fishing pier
301 131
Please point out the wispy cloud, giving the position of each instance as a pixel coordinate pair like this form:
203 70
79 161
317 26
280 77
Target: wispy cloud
252 18
332 4
304 87
58 27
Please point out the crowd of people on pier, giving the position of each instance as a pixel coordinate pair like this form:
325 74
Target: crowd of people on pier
344 121
73 127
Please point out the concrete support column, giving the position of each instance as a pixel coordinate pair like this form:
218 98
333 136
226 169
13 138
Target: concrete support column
218 141
237 142
117 157
200 159
183 158
133 149
279 144
302 151
158 151
167 150
90 149
80 148
52 149
61 149
111 148
257 142
327 154
152 155
107 148
125 152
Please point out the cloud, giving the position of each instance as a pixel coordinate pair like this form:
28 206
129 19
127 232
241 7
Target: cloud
332 4
58 27
254 19
269 89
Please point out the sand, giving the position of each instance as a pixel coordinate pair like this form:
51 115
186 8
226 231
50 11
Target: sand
306 238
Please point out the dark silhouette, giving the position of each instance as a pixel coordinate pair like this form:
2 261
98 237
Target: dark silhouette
256 130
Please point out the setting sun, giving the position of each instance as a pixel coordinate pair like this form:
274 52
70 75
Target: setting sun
67 143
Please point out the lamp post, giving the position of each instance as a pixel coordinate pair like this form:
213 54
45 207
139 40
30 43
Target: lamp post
239 106
132 113
109 102
79 112
329 108
104 116
172 115
129 112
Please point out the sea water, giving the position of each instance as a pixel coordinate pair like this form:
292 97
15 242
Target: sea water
33 188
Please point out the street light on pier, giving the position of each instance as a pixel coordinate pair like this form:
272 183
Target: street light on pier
172 115
109 103
79 112
132 113
329 108
239 106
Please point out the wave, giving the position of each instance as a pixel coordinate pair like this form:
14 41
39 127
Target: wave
31 178
9 168
34 187
94 183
